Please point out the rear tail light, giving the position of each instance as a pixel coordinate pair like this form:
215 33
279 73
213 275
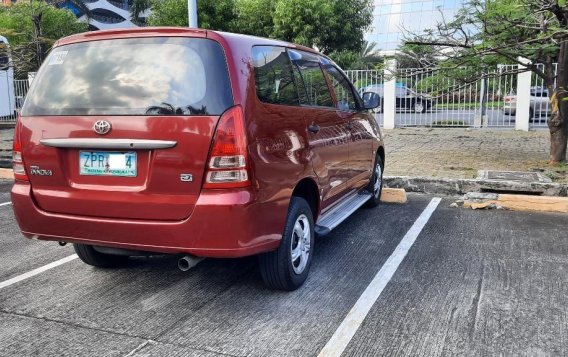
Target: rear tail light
17 159
227 164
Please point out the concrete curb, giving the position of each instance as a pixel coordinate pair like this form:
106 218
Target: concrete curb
458 187
517 202
393 195
6 174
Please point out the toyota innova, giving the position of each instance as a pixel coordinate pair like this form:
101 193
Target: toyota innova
193 142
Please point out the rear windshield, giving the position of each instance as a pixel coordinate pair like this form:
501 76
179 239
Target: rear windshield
142 76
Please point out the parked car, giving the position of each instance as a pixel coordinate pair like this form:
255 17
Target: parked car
406 98
540 104
193 142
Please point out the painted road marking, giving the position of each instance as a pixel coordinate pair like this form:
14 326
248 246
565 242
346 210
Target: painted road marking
349 326
5 203
37 271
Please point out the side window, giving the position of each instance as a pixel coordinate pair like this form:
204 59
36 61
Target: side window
343 91
273 76
312 77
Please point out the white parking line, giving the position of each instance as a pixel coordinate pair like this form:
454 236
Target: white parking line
5 203
345 332
37 271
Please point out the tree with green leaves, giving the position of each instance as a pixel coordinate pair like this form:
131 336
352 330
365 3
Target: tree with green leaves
367 58
32 27
217 15
334 25
531 33
328 25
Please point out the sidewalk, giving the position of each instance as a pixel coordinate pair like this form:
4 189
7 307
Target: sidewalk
460 153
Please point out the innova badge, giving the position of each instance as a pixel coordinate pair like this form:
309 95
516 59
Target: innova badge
102 127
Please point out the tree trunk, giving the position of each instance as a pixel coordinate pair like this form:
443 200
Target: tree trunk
557 123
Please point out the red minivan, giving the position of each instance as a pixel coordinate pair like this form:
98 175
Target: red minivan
193 142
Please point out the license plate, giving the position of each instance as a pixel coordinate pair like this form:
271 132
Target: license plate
105 163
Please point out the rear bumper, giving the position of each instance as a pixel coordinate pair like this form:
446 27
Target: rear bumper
223 224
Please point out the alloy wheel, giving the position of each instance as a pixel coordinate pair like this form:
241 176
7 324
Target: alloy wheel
300 247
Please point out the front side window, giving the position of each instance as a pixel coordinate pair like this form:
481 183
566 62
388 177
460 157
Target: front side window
313 80
273 76
138 76
343 91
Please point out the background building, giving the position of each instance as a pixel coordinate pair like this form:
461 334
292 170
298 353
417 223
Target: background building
394 18
105 14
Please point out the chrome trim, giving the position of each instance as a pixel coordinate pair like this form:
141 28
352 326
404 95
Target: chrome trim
119 144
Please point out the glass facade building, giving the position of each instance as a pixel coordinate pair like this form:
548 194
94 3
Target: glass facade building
395 18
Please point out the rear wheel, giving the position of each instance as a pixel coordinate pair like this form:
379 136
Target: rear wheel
287 268
376 184
90 256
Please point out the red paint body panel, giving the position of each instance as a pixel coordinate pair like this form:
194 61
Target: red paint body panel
157 212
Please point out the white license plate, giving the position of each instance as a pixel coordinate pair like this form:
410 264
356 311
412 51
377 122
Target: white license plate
105 163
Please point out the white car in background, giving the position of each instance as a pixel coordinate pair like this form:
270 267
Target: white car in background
539 107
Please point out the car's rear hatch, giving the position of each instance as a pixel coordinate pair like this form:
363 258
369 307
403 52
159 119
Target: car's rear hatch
122 128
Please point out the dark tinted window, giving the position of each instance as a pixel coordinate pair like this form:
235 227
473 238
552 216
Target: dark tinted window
313 79
273 76
153 76
539 93
343 91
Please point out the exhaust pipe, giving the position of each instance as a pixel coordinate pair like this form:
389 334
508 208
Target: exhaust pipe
188 261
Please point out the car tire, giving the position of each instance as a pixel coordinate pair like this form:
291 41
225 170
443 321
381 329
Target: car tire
375 186
419 107
287 267
90 256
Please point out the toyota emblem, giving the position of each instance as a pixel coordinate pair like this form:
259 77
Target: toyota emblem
102 127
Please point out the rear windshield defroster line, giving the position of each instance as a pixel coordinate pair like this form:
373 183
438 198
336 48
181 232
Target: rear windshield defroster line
140 76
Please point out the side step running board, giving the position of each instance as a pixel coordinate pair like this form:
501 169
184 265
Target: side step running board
338 214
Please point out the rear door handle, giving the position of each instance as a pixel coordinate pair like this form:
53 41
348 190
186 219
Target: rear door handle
314 128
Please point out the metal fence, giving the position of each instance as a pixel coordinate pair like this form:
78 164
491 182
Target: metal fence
427 97
21 87
540 104
367 80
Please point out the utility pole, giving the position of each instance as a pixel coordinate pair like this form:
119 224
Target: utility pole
192 13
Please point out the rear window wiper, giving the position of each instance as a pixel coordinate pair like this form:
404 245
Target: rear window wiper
163 109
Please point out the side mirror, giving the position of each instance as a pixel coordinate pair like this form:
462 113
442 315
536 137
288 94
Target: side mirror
371 100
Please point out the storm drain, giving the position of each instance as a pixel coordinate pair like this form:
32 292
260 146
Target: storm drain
515 182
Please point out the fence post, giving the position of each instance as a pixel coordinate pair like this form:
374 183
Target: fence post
389 100
481 119
523 104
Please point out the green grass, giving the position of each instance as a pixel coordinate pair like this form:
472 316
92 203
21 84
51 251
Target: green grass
449 123
469 106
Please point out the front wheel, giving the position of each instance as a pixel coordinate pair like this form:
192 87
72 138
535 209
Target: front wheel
419 107
287 268
376 184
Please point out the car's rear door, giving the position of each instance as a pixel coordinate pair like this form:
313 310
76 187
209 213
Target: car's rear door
121 128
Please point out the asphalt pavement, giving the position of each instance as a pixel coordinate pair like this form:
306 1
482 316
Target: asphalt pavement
471 283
